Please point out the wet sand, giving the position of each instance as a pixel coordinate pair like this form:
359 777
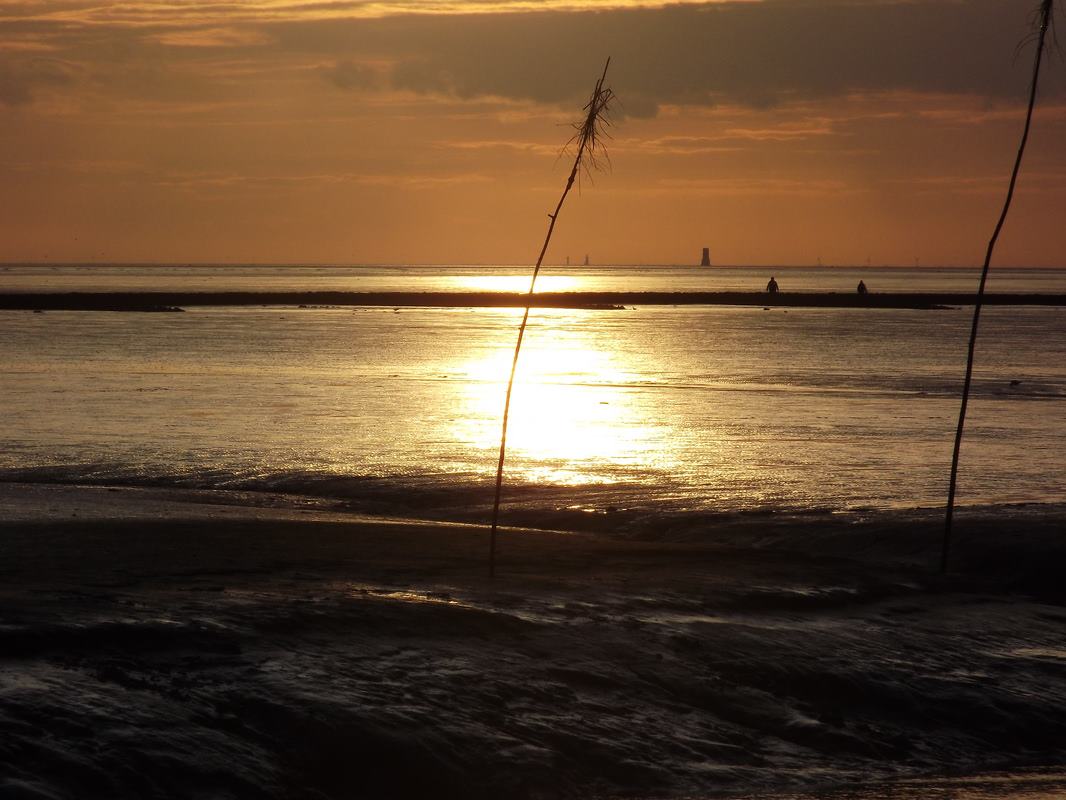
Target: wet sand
172 643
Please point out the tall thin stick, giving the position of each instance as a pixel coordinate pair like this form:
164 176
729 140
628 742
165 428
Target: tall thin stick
1043 19
588 140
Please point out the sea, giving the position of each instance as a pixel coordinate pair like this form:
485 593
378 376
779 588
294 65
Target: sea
624 417
232 616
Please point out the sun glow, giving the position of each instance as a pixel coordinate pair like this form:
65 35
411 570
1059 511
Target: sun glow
576 411
518 283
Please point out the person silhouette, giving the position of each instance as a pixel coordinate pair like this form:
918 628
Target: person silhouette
862 287
772 286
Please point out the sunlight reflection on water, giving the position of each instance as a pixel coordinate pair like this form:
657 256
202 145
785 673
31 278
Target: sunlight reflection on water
712 408
573 404
518 283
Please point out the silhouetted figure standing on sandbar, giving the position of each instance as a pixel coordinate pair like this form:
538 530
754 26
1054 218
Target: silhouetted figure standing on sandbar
862 287
772 286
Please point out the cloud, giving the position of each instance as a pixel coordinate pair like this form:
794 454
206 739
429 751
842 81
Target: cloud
194 12
755 53
20 79
1053 182
754 187
349 75
499 144
399 180
729 140
213 37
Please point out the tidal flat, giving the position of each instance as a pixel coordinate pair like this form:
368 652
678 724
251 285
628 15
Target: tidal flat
190 643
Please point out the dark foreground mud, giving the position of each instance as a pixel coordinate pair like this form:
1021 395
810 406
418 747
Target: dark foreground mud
157 644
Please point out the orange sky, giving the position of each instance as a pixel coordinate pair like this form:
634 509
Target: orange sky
428 131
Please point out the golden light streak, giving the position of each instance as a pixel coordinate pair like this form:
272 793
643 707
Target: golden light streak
574 413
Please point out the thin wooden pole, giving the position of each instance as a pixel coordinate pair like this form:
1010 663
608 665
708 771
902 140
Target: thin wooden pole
586 140
1044 20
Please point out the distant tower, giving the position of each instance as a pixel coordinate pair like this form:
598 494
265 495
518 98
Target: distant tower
706 260
586 259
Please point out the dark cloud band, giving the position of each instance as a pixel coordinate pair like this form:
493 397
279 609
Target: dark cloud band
755 54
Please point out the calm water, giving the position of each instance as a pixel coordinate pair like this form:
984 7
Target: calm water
661 409
36 278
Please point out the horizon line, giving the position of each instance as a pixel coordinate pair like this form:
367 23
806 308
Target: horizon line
501 264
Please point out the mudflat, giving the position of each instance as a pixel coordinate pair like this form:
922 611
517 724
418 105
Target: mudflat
180 643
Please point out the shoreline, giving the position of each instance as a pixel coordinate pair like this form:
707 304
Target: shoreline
175 301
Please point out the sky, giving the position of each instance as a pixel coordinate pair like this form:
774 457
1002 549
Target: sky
432 131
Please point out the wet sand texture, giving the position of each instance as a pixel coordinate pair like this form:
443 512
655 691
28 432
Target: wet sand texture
193 650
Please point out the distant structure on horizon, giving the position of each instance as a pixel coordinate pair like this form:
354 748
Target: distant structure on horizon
586 259
706 260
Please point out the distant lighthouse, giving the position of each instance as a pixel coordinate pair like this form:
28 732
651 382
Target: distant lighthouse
706 260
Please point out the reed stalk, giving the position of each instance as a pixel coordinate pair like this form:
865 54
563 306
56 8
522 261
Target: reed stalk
1042 22
588 138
